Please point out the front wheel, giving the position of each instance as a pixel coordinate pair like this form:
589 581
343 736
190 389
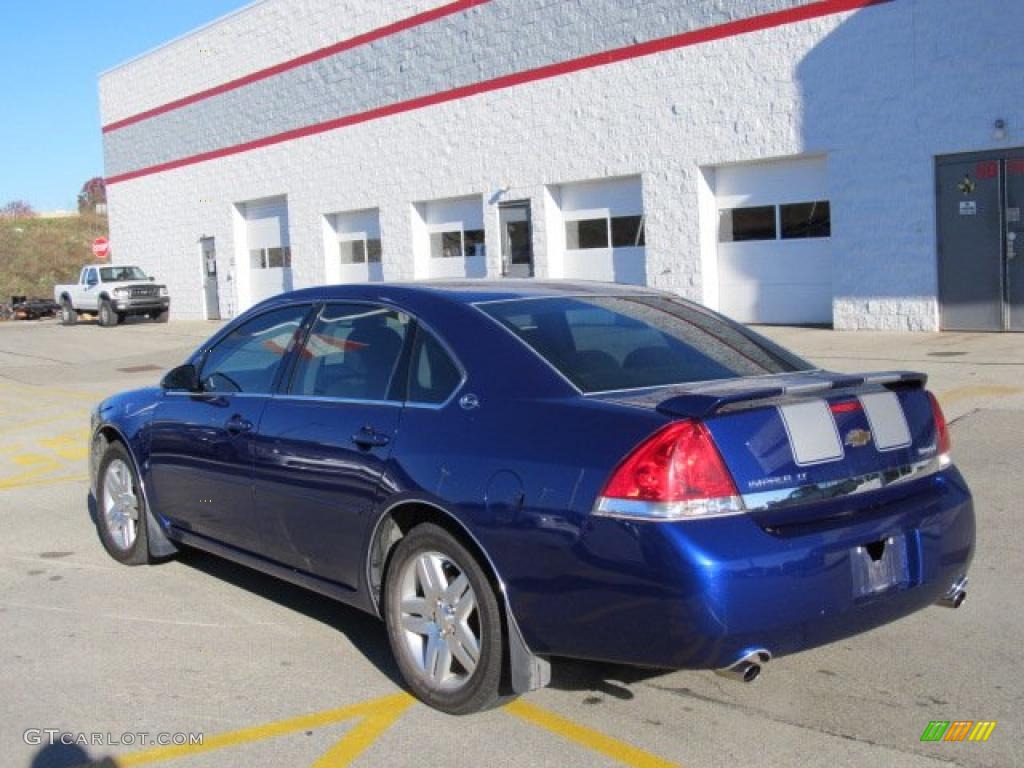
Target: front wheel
162 317
107 315
444 622
121 508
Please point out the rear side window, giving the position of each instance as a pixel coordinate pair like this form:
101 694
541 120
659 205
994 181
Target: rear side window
433 375
610 343
352 353
249 358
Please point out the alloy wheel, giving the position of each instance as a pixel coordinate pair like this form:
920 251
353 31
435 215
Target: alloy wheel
120 505
439 621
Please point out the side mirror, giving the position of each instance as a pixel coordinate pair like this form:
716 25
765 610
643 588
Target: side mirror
152 279
184 378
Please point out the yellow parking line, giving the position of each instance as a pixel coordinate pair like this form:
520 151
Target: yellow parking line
586 737
375 716
977 390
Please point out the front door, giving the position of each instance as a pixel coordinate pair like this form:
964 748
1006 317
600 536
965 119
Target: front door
201 444
211 289
516 239
325 440
981 238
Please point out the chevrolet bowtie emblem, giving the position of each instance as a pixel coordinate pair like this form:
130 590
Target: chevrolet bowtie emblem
857 438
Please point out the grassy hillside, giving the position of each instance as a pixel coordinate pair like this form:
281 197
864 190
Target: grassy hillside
36 254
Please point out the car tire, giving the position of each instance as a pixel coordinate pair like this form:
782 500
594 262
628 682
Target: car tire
68 315
162 317
444 622
121 508
107 316
121 317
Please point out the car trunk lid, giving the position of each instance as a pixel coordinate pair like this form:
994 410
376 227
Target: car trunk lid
803 437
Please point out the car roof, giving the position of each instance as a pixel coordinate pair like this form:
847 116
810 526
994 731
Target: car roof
474 291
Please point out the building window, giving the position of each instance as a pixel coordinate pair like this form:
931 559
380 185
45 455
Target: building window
457 243
271 258
800 220
743 224
364 250
627 231
618 231
789 221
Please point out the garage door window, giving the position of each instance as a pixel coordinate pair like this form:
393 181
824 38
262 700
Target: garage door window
360 251
800 220
270 258
742 224
458 243
619 231
790 221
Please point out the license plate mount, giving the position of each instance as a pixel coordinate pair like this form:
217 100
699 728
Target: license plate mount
880 566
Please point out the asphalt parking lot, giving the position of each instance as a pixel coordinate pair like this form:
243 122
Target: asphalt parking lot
274 676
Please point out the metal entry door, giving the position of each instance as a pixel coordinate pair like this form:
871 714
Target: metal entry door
1014 169
212 290
981 240
516 239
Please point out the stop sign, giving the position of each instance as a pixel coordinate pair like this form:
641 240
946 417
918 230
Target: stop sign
101 247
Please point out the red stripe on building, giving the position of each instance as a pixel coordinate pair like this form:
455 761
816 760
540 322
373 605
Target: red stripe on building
345 45
683 40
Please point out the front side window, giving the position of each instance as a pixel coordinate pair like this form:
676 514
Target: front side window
352 353
249 358
612 343
90 277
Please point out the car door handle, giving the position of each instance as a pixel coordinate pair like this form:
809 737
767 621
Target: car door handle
368 438
237 425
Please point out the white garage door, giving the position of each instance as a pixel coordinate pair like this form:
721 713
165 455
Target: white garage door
774 228
455 229
270 253
604 231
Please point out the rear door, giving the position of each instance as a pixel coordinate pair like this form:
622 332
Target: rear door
324 441
201 444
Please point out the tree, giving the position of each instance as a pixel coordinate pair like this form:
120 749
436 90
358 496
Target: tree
93 195
17 209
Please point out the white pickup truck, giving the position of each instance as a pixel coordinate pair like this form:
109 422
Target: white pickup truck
112 293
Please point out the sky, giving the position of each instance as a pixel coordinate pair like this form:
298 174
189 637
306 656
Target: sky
51 55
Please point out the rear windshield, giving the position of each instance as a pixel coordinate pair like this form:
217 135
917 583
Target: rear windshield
602 344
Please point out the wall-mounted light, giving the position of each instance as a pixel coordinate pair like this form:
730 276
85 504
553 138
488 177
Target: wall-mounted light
999 129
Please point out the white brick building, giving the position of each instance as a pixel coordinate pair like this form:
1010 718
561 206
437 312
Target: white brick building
839 161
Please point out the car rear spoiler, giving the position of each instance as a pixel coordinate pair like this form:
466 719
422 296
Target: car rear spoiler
704 400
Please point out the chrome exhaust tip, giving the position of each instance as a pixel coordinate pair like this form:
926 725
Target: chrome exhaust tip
747 668
956 595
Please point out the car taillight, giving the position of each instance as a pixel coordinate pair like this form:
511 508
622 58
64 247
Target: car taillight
676 473
942 441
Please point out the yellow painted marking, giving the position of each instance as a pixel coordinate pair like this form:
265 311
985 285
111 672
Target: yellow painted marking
375 717
586 737
72 446
38 482
362 737
977 390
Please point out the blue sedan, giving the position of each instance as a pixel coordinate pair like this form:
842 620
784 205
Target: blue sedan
510 472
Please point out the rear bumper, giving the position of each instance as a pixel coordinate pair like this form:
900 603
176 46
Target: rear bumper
702 594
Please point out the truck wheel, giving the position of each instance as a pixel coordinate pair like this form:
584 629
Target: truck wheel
68 315
162 317
107 315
